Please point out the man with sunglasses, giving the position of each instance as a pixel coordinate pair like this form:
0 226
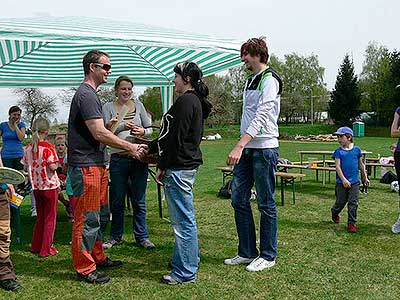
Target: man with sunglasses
87 157
254 159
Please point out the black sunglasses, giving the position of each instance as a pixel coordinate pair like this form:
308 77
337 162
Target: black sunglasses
105 67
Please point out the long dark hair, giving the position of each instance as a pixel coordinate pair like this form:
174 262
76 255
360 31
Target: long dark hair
192 71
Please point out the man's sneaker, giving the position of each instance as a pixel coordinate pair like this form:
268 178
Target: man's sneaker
396 227
335 218
351 228
109 264
147 244
238 260
167 279
95 277
259 264
9 284
110 243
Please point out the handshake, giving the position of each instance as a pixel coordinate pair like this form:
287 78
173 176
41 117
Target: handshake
138 151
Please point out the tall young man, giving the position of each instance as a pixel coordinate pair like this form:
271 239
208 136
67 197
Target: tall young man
254 159
87 138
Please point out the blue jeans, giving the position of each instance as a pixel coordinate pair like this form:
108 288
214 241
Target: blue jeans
256 166
128 175
178 186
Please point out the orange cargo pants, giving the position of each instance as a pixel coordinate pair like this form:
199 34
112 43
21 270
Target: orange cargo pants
90 187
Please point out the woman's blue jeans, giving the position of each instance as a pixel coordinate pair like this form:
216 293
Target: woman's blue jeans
128 175
256 166
178 187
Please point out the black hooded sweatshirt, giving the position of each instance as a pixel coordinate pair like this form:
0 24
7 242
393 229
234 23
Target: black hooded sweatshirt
181 133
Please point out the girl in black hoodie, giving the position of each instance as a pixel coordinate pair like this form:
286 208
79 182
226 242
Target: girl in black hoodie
179 157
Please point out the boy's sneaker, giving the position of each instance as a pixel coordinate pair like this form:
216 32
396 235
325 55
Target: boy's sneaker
259 264
167 279
109 264
396 227
33 212
147 244
95 277
110 243
335 218
9 284
351 228
238 260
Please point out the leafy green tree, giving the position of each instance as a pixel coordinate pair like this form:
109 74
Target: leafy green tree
375 82
34 102
106 94
236 79
221 97
345 98
303 82
151 99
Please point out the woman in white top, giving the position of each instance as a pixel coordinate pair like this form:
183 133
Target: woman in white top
128 175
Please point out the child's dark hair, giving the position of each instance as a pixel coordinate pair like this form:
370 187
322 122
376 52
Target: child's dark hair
190 72
349 136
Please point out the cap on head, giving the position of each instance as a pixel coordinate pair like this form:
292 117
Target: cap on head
344 130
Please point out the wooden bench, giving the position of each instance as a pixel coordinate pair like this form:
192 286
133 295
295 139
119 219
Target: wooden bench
370 165
285 179
226 172
286 167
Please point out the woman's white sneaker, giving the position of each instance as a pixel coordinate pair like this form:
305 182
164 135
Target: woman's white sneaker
238 260
259 264
396 227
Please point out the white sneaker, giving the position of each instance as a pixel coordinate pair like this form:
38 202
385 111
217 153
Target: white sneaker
259 264
110 243
396 227
238 260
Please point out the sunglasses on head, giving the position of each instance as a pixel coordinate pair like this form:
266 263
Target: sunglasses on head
105 67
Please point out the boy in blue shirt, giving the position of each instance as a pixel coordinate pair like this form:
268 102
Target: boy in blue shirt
348 160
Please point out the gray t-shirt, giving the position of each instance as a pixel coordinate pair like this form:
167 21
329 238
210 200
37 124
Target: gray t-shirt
140 117
83 149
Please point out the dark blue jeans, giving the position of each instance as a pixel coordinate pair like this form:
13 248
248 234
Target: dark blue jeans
256 166
128 175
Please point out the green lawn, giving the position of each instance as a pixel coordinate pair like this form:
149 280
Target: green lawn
316 258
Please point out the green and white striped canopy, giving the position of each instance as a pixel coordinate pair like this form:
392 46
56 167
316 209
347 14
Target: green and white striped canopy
48 51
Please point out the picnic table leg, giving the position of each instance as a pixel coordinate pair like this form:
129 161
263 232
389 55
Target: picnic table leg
16 214
159 200
282 192
294 191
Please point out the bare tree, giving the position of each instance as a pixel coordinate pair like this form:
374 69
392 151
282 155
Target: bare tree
35 103
106 94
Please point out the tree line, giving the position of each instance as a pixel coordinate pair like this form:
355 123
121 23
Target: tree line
305 97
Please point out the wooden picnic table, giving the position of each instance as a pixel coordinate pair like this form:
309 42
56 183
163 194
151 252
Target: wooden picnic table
324 154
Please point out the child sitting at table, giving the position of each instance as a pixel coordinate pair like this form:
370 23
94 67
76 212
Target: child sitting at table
388 176
348 160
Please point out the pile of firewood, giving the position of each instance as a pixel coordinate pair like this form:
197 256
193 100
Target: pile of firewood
319 137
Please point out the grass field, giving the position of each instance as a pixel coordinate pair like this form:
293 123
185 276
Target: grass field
316 258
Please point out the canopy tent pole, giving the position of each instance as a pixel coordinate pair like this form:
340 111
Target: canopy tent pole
166 97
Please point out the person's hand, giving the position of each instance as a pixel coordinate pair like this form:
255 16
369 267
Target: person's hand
366 181
160 176
111 123
138 150
346 183
234 156
129 125
137 130
10 191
